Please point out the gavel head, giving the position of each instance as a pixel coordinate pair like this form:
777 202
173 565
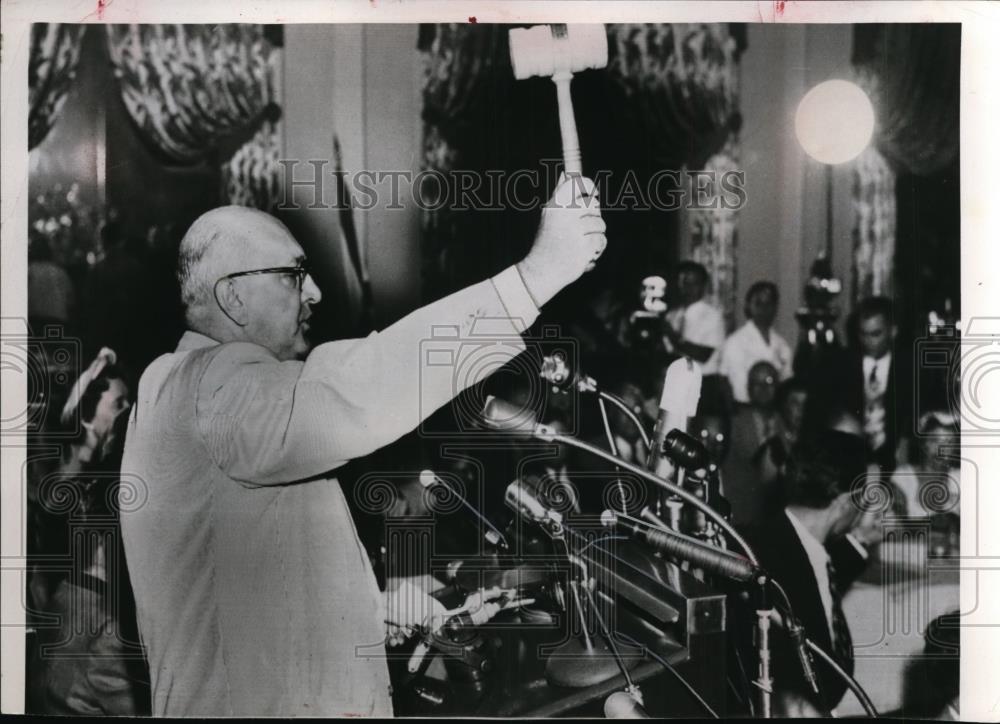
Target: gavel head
546 50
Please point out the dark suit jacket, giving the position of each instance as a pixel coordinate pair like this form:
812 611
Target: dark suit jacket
899 401
782 555
751 492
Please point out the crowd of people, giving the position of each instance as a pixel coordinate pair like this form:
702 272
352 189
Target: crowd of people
793 457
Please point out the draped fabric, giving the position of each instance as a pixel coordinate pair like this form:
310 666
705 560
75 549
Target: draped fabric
682 77
910 72
874 203
457 59
55 52
188 86
251 177
713 233
674 93
684 80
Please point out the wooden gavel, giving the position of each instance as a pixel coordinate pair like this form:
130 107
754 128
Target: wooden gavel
559 51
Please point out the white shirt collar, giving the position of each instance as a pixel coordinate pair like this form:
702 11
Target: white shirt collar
818 560
882 362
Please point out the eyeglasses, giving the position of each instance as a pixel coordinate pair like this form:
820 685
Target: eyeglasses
299 272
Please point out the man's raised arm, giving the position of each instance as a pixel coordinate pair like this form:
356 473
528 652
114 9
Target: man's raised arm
269 422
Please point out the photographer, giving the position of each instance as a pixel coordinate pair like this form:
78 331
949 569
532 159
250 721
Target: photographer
694 328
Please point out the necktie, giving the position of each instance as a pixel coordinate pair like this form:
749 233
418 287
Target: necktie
873 382
843 646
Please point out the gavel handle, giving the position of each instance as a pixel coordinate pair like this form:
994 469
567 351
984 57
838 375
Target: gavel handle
567 124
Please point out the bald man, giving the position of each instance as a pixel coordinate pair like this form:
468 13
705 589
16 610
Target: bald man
254 594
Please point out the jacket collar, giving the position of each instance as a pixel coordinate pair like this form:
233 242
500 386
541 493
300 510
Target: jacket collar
195 340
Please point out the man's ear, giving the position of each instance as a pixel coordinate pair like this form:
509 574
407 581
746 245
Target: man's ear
230 303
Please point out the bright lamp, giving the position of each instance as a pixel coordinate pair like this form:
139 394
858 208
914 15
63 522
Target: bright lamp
834 121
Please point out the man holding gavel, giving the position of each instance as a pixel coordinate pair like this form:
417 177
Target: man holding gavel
254 594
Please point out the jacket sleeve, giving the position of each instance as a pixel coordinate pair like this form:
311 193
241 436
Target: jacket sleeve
848 561
268 422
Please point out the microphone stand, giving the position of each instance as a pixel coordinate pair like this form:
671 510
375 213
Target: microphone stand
558 375
764 681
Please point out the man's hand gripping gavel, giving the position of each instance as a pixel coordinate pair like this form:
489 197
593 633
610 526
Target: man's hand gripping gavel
569 241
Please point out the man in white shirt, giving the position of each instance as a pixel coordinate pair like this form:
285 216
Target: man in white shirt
756 341
694 328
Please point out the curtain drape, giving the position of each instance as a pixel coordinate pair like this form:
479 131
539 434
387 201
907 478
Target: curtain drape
713 233
675 86
874 203
684 81
55 52
188 86
910 72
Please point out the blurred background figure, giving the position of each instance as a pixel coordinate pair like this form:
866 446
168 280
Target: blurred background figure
876 383
92 663
87 437
748 483
693 327
756 341
815 548
932 681
929 485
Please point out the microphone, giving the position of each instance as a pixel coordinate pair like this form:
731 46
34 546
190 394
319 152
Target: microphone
685 450
798 636
523 501
557 373
715 561
678 403
622 705
504 416
494 536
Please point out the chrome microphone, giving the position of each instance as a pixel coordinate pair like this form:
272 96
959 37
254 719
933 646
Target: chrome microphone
715 561
506 417
493 535
678 404
523 501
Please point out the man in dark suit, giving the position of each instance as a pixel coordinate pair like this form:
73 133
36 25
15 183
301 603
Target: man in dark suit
813 549
877 387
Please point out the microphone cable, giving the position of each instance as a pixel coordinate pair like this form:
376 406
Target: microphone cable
612 443
684 682
859 693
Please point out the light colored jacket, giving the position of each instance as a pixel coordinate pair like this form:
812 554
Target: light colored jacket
254 595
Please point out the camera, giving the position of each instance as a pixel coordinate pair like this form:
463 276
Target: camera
645 325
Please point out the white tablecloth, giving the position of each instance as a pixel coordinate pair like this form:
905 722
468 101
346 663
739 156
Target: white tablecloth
888 612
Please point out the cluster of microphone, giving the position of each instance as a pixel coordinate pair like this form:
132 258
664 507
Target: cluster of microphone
671 450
